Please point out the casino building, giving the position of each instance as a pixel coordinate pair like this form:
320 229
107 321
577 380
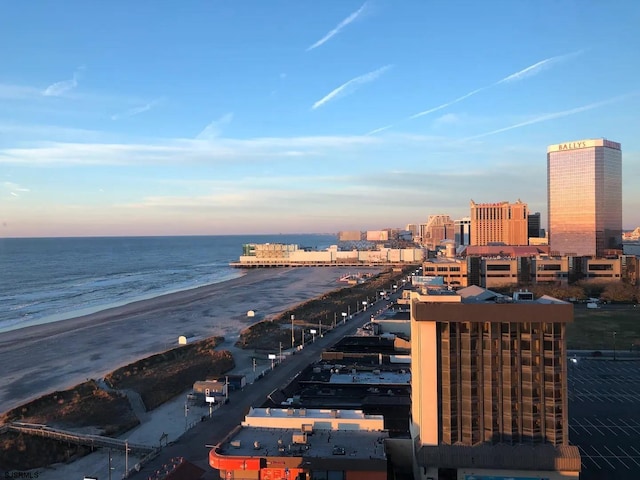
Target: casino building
584 182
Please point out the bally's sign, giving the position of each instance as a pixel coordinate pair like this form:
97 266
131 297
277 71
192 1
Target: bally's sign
600 142
572 145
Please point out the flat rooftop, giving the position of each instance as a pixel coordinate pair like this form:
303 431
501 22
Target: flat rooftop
371 378
273 442
306 415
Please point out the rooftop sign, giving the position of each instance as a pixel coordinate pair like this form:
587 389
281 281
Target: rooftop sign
589 143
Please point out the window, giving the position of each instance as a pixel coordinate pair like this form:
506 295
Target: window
498 268
601 266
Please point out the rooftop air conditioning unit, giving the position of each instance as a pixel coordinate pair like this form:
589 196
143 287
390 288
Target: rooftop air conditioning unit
335 413
236 443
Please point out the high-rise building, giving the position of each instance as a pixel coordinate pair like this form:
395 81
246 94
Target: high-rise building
462 231
533 225
439 228
501 222
584 197
489 386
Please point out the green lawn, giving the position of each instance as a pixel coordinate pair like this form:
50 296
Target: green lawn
593 329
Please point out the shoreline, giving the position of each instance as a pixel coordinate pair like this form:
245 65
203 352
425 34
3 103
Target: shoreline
117 311
85 312
42 358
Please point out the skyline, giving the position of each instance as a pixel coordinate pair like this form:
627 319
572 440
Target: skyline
290 117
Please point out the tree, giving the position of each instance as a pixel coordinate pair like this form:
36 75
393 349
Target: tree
619 292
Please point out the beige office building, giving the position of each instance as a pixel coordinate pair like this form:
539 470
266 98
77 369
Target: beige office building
584 182
501 222
489 387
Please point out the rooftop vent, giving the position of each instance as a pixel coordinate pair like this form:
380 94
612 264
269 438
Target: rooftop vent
337 450
236 443
256 445
303 412
299 438
335 413
290 412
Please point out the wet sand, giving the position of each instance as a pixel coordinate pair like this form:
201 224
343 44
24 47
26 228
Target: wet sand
43 358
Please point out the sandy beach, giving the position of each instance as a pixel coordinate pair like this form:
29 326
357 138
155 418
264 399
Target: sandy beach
54 356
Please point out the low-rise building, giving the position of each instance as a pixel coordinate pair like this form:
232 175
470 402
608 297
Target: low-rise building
300 443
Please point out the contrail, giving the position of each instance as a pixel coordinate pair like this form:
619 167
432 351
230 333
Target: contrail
340 26
519 75
553 116
350 86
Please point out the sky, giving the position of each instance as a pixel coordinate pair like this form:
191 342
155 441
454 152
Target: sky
270 116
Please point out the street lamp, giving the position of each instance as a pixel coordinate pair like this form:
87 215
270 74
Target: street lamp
313 334
364 305
614 346
280 355
293 340
344 317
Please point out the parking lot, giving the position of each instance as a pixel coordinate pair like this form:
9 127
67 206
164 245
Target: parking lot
604 417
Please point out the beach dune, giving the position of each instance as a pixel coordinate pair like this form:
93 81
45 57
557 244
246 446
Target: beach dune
54 356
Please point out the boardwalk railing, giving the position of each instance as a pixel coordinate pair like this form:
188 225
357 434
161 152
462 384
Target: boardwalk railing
96 441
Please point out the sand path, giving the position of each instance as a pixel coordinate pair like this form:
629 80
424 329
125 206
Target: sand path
54 356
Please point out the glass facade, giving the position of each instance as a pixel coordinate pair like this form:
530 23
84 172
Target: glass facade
584 181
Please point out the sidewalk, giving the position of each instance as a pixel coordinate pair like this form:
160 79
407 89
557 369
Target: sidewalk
164 425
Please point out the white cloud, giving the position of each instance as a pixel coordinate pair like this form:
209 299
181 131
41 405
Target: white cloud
340 26
447 119
14 189
350 86
60 88
137 110
18 92
180 151
213 130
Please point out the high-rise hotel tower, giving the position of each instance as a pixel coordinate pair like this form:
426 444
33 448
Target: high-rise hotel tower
584 197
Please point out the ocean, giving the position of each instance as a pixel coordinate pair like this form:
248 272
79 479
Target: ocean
50 279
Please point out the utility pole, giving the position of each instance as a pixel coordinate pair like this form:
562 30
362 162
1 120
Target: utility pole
280 355
126 459
254 368
109 464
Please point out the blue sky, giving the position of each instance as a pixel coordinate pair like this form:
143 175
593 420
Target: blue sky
212 117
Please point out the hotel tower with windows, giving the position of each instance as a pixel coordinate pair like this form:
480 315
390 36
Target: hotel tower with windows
584 181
